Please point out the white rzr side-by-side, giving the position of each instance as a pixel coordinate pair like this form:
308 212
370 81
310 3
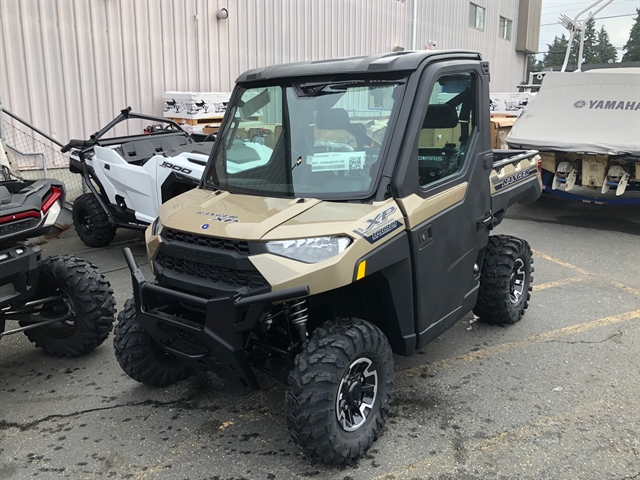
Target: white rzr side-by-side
130 177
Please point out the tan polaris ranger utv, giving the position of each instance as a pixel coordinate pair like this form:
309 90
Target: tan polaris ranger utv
343 216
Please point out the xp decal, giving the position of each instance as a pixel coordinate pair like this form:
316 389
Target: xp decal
379 226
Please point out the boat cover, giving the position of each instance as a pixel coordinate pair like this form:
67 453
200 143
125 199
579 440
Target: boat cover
583 113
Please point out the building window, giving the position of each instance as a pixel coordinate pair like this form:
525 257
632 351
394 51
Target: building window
476 16
505 28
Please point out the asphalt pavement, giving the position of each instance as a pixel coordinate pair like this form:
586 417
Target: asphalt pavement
552 397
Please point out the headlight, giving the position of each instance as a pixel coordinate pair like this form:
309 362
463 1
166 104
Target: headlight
156 227
309 250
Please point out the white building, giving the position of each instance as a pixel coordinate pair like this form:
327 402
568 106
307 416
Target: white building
68 67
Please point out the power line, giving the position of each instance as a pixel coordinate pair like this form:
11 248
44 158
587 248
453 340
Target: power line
549 12
596 18
564 50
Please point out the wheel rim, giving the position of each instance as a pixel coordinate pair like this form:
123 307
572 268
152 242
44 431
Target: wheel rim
86 224
516 284
356 394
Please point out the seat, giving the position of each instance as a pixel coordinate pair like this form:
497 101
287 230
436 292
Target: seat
435 163
138 152
338 119
440 116
333 119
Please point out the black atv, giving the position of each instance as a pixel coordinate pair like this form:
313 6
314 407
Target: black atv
62 303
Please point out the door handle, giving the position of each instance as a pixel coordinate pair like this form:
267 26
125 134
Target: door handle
484 221
425 236
487 161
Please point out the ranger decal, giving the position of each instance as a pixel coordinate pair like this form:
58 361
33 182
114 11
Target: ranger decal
219 217
509 180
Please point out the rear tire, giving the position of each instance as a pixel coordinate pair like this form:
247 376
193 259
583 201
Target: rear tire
505 281
86 293
339 391
91 222
140 356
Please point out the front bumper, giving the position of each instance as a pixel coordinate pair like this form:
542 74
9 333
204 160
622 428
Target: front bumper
207 334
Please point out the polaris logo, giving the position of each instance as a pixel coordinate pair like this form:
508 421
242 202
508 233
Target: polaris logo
608 105
176 168
15 227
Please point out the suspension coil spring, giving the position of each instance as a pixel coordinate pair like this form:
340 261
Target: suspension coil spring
298 316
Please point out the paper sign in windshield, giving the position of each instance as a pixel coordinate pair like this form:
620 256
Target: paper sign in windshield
321 162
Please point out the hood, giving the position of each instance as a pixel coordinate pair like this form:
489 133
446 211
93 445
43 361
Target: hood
248 217
227 215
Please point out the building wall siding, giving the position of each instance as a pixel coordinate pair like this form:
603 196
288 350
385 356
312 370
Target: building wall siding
69 66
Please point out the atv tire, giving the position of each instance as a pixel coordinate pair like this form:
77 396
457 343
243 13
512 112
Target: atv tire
86 293
91 222
339 391
140 356
505 281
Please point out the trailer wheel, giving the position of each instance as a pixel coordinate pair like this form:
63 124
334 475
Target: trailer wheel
86 307
91 222
140 356
505 280
339 391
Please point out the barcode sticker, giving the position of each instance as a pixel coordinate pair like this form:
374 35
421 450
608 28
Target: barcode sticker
332 161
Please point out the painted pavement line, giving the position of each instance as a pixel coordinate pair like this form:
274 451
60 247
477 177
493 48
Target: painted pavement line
517 344
561 262
559 283
622 286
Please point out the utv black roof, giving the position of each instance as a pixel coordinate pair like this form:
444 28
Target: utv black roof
385 62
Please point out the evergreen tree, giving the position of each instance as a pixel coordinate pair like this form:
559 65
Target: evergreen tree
604 50
632 47
590 42
533 65
556 52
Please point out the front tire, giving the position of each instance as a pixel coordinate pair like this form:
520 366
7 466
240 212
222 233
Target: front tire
505 281
339 391
91 222
85 296
140 356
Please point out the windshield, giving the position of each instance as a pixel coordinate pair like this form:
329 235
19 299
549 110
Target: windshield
319 140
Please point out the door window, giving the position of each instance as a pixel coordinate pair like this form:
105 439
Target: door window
446 128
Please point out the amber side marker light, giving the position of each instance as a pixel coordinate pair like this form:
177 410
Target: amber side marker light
362 269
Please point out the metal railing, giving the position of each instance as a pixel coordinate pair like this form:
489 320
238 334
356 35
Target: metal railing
34 154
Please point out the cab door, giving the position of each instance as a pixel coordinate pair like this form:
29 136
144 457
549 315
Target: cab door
449 209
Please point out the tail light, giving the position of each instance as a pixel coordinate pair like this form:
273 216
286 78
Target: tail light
540 164
19 216
53 197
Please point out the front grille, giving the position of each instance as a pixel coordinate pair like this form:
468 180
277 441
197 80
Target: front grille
233 278
211 242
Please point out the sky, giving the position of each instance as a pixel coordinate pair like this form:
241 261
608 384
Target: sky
617 28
